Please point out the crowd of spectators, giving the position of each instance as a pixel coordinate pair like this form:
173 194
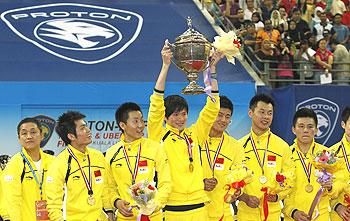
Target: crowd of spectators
302 39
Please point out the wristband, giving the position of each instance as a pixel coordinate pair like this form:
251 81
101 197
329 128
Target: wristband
335 208
292 215
115 202
214 76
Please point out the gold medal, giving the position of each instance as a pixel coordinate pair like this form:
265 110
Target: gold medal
309 188
91 200
191 167
263 179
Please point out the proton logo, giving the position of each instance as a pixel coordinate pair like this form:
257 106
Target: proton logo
76 32
327 116
47 128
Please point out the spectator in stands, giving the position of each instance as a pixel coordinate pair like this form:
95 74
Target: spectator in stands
346 17
320 28
231 10
287 6
249 40
306 55
312 42
283 13
296 35
307 8
324 59
285 63
341 32
239 22
277 22
268 33
342 57
322 4
316 17
267 52
256 19
248 12
338 7
301 24
266 9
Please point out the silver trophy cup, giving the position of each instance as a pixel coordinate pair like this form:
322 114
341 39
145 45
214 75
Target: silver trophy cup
190 54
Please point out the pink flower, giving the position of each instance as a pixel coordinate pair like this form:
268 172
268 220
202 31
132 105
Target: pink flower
323 159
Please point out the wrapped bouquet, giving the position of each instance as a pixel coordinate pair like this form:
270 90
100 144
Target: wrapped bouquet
143 193
277 183
240 176
326 163
228 44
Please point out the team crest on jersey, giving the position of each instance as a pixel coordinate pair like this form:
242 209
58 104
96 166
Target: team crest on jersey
327 116
80 33
47 128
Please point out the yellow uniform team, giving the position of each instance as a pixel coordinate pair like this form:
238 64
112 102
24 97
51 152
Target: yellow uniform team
188 166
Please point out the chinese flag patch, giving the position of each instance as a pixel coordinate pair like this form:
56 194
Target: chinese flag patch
271 158
219 160
97 173
143 163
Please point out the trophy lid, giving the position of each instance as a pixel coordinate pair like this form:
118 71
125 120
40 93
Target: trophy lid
190 35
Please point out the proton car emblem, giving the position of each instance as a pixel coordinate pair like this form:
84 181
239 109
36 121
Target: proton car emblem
47 128
327 116
76 32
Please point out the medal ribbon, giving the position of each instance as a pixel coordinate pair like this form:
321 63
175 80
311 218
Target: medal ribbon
212 164
189 148
133 174
88 183
261 164
306 170
33 172
345 156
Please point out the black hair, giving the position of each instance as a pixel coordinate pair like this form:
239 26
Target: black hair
345 114
66 125
263 98
225 102
305 112
174 103
257 15
122 112
28 120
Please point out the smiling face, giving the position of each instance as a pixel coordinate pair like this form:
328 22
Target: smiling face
134 126
222 120
305 129
178 119
261 116
83 134
30 136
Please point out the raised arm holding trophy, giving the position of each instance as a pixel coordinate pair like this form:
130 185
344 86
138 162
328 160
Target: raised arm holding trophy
191 52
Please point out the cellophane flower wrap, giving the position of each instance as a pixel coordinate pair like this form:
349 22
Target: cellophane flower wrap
143 193
279 182
229 44
326 160
239 176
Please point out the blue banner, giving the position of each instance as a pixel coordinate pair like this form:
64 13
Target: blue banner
98 101
328 101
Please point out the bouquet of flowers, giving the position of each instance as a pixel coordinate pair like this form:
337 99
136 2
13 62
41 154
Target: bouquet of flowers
277 183
240 176
326 160
143 193
228 44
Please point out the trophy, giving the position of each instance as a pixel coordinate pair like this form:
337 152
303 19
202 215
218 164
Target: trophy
191 54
